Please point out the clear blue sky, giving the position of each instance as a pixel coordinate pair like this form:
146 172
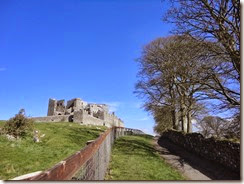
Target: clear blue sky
75 48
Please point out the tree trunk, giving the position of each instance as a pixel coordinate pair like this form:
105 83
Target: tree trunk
184 123
183 117
189 123
177 124
175 120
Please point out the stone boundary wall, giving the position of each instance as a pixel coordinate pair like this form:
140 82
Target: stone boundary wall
223 152
58 118
90 163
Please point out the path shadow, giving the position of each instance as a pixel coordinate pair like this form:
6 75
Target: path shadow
212 170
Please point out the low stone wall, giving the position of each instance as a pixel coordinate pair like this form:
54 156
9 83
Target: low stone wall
220 151
59 118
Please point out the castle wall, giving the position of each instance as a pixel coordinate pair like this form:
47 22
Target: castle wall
79 111
84 118
78 116
94 108
75 104
56 107
81 117
51 107
60 108
113 120
89 120
59 118
104 107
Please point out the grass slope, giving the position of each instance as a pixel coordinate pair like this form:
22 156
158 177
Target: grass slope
134 158
60 141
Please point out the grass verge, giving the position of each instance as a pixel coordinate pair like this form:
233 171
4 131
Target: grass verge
60 141
134 158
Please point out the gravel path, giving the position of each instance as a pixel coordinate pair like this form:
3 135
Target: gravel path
190 165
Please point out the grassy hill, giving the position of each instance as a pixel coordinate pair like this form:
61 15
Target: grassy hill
60 141
134 158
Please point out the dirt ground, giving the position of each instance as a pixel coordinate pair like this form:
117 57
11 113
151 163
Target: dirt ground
193 167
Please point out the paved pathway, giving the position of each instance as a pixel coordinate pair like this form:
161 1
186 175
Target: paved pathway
192 166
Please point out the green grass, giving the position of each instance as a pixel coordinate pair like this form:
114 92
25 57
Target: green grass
60 141
134 158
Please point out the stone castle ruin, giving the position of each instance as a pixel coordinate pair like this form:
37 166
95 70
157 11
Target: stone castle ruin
81 112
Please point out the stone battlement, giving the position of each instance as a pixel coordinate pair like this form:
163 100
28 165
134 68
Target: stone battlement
80 111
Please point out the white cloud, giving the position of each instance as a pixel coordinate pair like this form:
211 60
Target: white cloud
113 106
2 69
143 119
137 105
148 131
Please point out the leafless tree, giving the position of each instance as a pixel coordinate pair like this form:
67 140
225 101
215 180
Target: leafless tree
218 127
234 128
215 21
212 126
170 73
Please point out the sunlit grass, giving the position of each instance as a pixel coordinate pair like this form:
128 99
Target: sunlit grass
60 141
134 158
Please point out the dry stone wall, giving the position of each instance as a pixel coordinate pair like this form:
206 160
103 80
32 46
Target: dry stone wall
223 152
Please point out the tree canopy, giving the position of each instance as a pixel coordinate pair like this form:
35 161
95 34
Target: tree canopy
197 66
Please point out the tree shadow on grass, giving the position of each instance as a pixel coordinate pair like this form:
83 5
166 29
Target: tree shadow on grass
212 170
128 146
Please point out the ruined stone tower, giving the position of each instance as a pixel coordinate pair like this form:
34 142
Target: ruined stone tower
81 112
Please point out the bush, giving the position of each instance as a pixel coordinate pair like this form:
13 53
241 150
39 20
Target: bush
19 126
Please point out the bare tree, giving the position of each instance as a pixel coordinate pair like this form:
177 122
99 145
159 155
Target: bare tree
234 128
216 21
214 126
170 73
154 84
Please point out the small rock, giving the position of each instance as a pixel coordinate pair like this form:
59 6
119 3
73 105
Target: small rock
36 139
10 137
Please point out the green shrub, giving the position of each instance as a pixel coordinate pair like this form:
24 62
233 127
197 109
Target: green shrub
19 126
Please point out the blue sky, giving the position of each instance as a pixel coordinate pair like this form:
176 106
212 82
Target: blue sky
75 48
